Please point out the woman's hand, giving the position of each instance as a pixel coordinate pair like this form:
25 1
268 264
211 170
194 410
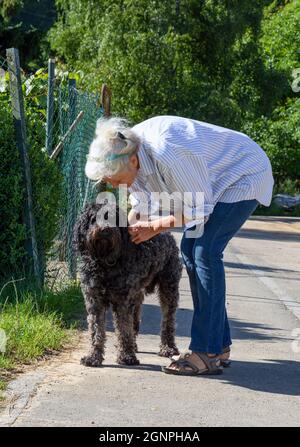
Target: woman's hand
142 231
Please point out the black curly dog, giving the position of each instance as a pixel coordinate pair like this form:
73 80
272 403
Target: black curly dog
115 271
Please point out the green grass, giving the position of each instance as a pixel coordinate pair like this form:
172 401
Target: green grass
274 210
36 322
288 186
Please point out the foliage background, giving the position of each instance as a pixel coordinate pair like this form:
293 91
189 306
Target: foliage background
228 62
46 180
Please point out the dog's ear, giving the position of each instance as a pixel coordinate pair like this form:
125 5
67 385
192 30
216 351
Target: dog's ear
121 219
81 228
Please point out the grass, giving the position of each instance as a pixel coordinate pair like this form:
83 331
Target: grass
289 187
35 323
274 210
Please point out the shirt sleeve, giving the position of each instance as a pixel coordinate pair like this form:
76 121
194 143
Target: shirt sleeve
188 175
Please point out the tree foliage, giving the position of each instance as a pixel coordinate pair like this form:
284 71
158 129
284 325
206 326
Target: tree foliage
23 25
228 62
159 57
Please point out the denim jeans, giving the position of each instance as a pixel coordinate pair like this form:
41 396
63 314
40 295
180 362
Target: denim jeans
203 258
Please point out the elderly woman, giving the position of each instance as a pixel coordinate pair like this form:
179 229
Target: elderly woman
178 155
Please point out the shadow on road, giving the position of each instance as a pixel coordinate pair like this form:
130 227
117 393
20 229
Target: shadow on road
280 236
277 376
263 268
241 330
274 376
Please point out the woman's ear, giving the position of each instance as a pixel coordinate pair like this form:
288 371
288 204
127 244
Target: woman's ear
134 161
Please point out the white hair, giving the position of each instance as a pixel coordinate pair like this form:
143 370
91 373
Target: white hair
109 152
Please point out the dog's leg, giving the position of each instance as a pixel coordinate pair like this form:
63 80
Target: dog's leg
96 322
137 317
123 321
168 293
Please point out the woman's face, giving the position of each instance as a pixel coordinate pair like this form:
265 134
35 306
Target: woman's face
127 176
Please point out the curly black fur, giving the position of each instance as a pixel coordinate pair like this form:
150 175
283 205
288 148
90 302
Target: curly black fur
116 272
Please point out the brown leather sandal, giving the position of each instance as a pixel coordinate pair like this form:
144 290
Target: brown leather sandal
224 363
212 365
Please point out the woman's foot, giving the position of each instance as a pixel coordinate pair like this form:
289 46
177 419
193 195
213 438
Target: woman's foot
194 364
196 360
193 358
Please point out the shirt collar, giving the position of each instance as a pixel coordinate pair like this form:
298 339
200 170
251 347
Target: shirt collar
147 166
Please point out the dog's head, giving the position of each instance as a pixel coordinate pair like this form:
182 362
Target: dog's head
97 233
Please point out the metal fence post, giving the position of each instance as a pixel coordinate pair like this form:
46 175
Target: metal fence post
72 97
50 105
106 100
20 127
72 100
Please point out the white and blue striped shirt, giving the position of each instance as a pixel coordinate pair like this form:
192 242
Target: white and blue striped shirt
182 154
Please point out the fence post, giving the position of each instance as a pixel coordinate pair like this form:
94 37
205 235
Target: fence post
50 105
106 100
72 98
20 128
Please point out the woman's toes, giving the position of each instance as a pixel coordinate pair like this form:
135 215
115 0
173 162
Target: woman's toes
175 365
225 356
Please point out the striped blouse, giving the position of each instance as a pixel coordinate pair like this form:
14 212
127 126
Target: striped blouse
182 154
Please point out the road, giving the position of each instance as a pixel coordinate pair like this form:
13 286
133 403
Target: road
261 388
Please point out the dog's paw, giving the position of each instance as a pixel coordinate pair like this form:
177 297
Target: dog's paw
168 351
91 360
128 360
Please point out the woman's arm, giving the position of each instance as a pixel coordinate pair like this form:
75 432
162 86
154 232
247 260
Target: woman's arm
145 230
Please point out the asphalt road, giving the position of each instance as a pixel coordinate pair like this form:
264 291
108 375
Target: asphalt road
261 388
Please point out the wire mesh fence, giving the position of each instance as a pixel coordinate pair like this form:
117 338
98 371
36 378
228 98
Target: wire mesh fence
69 105
3 70
12 102
61 121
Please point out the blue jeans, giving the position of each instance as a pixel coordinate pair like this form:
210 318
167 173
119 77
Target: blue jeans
203 258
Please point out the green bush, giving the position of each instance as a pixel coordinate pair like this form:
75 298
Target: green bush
46 182
279 136
12 230
46 175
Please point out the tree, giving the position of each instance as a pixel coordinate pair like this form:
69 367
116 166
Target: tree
223 61
23 24
159 57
